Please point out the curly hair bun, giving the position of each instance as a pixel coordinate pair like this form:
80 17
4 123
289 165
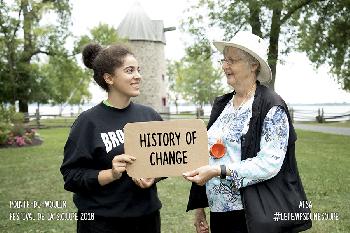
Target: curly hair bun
90 52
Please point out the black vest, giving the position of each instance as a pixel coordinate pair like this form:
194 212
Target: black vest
283 193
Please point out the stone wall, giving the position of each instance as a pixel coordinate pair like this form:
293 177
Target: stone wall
150 56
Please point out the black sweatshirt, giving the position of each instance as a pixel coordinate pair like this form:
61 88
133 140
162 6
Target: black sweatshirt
95 138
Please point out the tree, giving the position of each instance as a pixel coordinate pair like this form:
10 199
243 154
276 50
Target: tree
195 78
71 86
102 34
295 21
68 87
325 37
23 36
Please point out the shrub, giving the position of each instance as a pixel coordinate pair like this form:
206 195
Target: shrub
12 129
5 123
4 134
17 118
6 113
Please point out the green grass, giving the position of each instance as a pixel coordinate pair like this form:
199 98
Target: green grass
32 173
53 122
323 161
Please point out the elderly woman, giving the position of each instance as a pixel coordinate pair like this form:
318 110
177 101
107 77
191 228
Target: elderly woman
252 174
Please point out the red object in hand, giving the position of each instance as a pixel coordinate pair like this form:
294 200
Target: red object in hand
218 150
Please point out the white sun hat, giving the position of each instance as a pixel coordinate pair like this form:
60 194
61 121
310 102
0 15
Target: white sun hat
253 45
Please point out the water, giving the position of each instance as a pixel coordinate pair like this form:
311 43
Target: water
302 112
47 109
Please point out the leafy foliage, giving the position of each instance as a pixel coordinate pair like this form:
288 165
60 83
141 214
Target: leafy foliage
325 37
70 86
35 66
5 122
195 78
318 27
29 28
102 34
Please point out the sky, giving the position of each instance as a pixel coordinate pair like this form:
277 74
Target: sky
296 81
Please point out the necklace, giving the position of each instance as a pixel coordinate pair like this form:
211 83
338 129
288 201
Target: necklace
246 97
218 149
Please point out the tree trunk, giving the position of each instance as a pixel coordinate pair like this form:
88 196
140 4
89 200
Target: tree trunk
22 92
37 115
23 107
254 19
273 46
61 109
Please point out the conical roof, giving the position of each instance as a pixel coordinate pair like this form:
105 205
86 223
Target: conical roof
138 26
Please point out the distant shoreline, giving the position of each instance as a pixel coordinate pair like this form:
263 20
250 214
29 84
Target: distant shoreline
320 104
290 104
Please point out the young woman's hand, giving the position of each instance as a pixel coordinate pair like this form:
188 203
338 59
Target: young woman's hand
144 182
118 167
119 163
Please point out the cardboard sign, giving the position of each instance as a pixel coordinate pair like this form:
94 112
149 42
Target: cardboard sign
165 148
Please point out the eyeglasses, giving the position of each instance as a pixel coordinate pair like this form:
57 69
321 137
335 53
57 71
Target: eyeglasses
229 61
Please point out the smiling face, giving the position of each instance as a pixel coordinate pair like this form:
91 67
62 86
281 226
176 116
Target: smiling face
126 79
237 68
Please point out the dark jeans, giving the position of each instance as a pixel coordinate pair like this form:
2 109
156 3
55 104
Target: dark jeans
228 222
144 224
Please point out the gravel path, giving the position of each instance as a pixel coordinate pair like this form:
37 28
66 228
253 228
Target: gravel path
324 129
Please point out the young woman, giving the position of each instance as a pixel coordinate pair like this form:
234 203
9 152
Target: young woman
94 163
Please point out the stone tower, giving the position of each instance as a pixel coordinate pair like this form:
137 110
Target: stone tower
146 39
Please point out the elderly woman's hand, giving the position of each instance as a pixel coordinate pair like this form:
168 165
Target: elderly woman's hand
200 221
201 175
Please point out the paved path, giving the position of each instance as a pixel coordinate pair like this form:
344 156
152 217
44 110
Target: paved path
323 129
